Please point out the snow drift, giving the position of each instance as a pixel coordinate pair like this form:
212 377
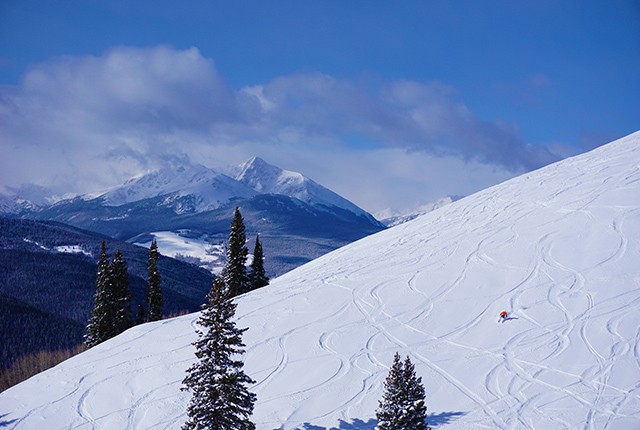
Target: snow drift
559 249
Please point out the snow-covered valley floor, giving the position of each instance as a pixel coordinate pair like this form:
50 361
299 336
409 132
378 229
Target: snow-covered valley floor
559 249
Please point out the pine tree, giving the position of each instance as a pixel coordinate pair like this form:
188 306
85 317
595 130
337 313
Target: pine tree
389 411
257 276
416 411
122 315
221 400
402 406
141 316
154 291
99 321
235 272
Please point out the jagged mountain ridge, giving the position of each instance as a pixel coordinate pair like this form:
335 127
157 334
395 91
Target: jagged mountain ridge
267 179
556 248
184 188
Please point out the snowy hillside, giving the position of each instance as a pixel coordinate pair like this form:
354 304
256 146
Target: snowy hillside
392 218
557 248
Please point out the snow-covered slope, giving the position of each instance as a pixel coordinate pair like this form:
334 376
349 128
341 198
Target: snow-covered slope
392 218
557 248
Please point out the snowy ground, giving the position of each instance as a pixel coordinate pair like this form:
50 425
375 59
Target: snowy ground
200 250
559 249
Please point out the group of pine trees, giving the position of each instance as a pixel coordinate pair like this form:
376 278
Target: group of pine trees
220 395
403 403
235 274
111 313
221 398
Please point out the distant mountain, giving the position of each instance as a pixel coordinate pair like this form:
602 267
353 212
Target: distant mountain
47 284
267 179
15 205
391 218
298 219
184 189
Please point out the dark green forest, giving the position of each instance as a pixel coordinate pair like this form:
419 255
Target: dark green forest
46 295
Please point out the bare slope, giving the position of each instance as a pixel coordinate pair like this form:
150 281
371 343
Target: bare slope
557 248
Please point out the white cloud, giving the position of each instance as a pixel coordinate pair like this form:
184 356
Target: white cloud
84 123
395 178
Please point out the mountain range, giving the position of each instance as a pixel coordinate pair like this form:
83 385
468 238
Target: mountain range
297 218
556 248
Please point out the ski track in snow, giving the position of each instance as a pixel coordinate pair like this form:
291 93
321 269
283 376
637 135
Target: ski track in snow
558 249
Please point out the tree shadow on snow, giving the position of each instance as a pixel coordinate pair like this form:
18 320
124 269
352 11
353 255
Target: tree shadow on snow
433 420
443 418
4 423
356 424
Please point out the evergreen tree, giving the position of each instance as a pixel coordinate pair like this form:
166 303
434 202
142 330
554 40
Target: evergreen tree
221 400
122 314
402 406
415 409
154 291
99 321
141 316
257 276
235 272
389 412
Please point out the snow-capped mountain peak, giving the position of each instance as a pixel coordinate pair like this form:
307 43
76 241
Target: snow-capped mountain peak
268 179
265 178
208 188
255 170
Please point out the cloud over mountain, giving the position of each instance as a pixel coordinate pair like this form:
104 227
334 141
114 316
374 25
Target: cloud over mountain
74 120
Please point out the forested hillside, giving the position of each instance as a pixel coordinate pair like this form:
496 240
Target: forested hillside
47 283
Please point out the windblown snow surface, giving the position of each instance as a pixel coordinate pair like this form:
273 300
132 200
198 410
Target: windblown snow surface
559 249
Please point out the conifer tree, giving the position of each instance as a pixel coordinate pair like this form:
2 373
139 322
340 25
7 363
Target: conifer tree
257 276
99 320
221 400
122 314
402 406
416 411
141 316
389 412
154 291
235 272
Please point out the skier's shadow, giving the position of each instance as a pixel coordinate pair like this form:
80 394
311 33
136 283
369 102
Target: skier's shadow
510 318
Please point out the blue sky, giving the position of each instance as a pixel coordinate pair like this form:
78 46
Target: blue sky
391 104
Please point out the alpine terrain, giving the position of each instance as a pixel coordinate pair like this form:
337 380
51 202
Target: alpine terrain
187 208
557 249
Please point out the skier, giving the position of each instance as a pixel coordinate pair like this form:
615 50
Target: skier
503 316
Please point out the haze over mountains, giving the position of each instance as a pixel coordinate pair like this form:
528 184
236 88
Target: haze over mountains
391 217
557 248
